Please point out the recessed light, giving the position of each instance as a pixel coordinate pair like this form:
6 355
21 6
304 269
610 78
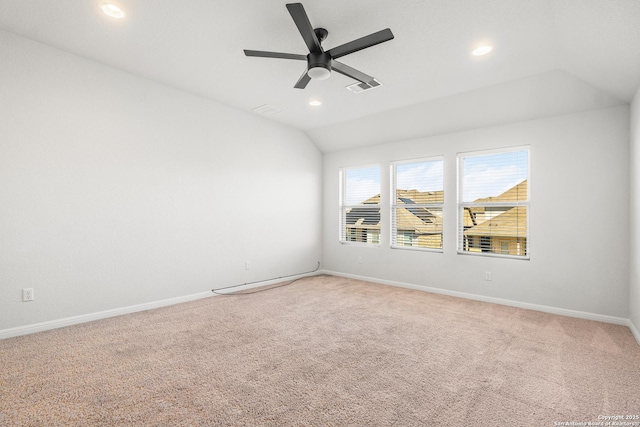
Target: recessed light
315 103
112 10
482 50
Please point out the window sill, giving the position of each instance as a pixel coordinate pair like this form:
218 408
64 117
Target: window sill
417 249
492 255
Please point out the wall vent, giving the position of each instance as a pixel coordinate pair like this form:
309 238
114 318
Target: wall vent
267 110
361 87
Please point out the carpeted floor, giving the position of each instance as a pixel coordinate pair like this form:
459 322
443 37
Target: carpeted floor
323 351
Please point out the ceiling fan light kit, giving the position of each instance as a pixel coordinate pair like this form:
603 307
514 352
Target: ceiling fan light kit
319 73
320 63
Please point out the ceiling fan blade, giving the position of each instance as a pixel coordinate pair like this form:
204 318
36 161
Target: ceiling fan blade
361 43
296 10
264 54
350 72
302 81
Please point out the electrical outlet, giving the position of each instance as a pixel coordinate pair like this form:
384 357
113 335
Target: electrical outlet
487 276
359 260
27 294
247 265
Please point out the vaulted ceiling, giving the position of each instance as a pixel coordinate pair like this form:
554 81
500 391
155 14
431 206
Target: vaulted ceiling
549 57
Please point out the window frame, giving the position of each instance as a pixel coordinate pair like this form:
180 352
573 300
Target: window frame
393 233
461 206
344 237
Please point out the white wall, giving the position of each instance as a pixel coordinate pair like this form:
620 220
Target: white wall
116 191
579 242
549 94
634 294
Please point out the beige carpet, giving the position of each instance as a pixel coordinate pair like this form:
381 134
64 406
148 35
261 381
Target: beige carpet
323 351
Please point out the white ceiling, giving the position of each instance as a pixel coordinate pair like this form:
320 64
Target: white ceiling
541 46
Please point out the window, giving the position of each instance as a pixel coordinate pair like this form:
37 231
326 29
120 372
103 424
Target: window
417 196
493 203
360 205
406 238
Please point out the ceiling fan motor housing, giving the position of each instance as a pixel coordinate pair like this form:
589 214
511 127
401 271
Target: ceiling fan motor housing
318 60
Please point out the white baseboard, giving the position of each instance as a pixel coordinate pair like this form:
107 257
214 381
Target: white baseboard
74 320
83 318
634 331
544 308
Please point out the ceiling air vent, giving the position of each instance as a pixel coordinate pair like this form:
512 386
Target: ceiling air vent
361 87
267 110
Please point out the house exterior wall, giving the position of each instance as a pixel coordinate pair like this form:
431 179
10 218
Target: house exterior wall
499 245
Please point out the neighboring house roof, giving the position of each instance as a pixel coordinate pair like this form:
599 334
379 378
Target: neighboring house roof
421 197
422 220
418 219
471 216
364 217
512 223
517 193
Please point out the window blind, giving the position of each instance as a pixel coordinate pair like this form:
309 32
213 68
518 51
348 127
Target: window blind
493 203
360 205
417 194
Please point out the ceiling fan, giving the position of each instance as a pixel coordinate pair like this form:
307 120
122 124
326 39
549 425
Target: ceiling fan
321 62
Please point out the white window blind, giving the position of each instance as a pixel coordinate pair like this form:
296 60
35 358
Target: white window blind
360 205
417 194
493 203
